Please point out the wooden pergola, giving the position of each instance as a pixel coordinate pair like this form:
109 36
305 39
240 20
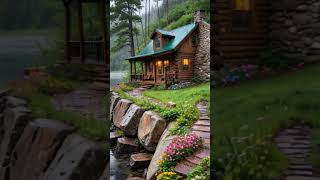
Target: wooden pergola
101 4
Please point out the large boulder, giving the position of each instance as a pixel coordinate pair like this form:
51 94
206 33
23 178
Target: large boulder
12 102
131 119
126 145
113 102
36 148
165 140
140 160
14 122
119 111
150 129
77 159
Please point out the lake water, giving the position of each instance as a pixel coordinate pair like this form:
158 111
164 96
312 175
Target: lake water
18 53
116 77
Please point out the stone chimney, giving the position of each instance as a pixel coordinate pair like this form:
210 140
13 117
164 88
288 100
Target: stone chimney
199 15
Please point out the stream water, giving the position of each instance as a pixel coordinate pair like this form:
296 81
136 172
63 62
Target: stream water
16 54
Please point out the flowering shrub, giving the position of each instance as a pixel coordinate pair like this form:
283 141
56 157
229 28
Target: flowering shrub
180 85
168 176
178 149
201 172
188 114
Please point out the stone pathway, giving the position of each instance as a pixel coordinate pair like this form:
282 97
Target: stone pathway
86 101
202 129
295 143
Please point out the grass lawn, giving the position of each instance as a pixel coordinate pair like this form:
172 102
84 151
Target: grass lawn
190 95
262 107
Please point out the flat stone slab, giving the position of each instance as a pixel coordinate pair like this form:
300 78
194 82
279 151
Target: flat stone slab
12 102
140 160
119 111
126 145
113 138
130 121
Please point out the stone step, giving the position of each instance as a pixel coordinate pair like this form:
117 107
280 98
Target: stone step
202 123
298 173
113 138
201 128
301 167
301 178
202 153
184 167
202 134
194 159
126 145
140 160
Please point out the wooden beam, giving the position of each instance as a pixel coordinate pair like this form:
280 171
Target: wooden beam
130 70
154 71
67 31
81 33
135 68
104 31
164 71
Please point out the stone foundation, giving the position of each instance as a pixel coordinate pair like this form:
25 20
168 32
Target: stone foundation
295 28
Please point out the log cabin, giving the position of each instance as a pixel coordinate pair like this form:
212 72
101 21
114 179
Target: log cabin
243 29
174 56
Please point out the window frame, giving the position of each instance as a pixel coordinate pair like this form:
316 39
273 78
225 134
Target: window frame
185 67
157 39
251 21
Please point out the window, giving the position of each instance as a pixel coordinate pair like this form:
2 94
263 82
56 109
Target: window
185 64
157 43
242 14
166 63
150 67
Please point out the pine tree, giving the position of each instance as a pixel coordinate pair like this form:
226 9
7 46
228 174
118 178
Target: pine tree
123 17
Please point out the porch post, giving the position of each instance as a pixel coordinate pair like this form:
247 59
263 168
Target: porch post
67 31
104 31
130 70
164 71
142 72
154 72
80 24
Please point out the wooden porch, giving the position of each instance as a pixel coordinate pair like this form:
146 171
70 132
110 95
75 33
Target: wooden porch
151 72
93 49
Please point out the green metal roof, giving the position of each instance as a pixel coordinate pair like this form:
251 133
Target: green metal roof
178 34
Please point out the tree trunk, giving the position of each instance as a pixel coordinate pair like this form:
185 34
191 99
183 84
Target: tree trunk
158 12
149 17
131 33
146 20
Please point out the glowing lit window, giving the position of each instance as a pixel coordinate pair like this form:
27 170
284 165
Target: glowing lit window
185 62
242 5
159 63
166 62
242 14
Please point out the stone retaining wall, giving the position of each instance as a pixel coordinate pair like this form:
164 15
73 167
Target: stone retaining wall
295 28
43 149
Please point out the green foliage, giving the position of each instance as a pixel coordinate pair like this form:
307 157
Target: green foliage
251 158
170 114
73 72
160 87
265 106
201 172
187 116
52 86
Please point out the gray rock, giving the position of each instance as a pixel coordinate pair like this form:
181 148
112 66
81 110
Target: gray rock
113 138
140 160
120 110
150 129
126 146
315 45
307 41
131 119
13 125
12 102
302 19
36 148
114 100
165 140
77 159
106 173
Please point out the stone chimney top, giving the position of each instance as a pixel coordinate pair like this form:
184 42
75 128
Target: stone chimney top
199 15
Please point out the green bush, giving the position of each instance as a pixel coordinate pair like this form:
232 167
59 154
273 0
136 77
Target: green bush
170 114
53 86
201 172
188 115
